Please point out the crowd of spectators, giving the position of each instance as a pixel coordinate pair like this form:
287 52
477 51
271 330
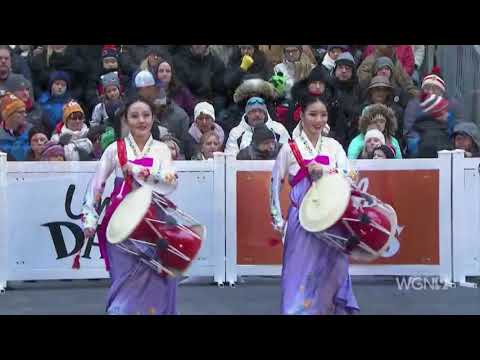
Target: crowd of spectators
65 102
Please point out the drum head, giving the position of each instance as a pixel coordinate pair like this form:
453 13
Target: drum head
325 203
129 214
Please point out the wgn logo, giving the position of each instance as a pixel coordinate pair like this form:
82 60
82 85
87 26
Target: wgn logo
422 283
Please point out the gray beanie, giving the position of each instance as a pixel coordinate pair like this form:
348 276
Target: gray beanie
17 82
110 79
382 62
345 58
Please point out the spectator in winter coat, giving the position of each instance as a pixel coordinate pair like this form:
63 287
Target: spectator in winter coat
53 152
6 72
203 73
111 94
173 118
22 88
399 77
404 54
209 144
432 84
344 109
332 54
108 63
154 55
95 136
52 101
419 55
263 147
72 135
316 84
134 55
14 127
246 60
59 58
432 127
173 145
223 52
295 66
176 91
381 91
204 122
251 87
273 54
373 139
384 67
256 114
380 117
20 64
466 137
383 152
37 138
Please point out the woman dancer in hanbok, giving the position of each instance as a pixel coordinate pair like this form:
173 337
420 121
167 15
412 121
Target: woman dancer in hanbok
315 277
136 289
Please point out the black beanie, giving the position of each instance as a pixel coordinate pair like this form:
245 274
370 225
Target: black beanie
262 133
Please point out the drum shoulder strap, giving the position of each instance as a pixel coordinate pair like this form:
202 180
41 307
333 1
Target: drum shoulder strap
122 156
296 152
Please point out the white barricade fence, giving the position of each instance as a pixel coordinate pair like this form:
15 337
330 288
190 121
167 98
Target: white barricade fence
419 189
3 223
41 229
466 217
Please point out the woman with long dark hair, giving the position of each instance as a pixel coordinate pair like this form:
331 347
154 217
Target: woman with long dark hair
315 278
136 288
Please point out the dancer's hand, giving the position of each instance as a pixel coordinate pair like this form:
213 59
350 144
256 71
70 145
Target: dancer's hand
170 179
316 171
127 169
89 232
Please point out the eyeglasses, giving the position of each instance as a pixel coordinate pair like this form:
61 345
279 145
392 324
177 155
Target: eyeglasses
77 117
256 101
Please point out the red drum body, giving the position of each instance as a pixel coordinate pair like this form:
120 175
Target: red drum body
151 219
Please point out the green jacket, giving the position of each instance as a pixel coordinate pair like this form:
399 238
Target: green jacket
356 146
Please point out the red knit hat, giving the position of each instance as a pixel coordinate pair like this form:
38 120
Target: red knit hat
434 79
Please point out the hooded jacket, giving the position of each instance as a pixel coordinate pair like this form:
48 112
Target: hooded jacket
472 130
344 108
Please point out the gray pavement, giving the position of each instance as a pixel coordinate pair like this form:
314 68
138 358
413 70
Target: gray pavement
255 296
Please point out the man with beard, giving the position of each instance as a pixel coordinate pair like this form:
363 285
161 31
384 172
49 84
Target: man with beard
256 114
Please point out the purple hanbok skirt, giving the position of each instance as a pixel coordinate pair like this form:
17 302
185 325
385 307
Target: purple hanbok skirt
315 277
136 288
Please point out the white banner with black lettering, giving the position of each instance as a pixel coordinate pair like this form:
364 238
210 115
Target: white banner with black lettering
43 219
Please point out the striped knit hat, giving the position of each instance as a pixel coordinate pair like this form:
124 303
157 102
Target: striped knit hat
9 104
434 105
434 79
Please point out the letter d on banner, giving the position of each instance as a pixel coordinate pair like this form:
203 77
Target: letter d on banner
59 241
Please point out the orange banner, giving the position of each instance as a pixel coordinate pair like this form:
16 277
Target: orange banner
414 194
